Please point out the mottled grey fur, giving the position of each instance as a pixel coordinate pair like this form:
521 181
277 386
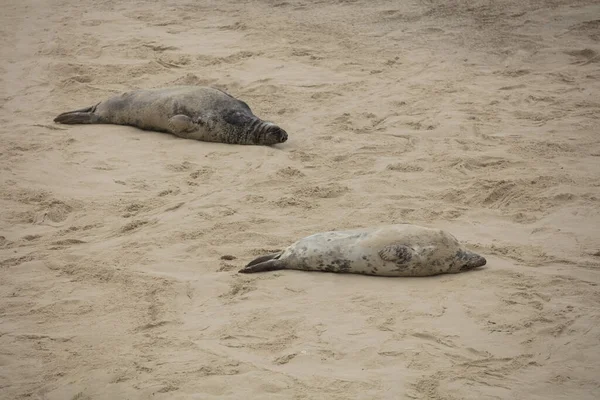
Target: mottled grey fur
191 112
393 250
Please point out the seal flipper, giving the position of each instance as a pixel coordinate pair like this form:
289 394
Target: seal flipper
397 253
180 123
263 258
271 265
81 116
269 262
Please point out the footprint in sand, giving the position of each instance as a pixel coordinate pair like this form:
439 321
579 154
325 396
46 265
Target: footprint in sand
584 57
190 79
238 289
289 201
14 261
201 174
329 191
290 172
92 22
402 167
181 167
133 225
590 28
68 242
57 212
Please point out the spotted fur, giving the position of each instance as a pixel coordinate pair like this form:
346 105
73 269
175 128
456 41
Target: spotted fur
393 250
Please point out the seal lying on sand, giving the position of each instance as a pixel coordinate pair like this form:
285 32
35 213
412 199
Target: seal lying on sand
191 112
394 250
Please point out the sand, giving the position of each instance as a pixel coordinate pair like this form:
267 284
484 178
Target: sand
479 117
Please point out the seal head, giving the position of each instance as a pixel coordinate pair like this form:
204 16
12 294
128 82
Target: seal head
241 124
467 260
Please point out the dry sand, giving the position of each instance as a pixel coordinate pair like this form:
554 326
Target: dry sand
480 117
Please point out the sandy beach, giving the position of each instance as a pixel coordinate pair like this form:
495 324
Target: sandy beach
119 248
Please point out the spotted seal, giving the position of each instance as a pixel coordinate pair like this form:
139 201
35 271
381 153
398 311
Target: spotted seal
392 250
191 112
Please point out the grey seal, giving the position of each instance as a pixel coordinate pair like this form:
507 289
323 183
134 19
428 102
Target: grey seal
391 250
191 112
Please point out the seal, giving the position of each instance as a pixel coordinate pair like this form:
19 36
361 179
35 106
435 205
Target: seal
391 250
191 112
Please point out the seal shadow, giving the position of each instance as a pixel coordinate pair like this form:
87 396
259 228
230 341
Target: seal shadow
268 268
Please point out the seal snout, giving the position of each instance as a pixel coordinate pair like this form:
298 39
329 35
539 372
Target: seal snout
473 261
278 134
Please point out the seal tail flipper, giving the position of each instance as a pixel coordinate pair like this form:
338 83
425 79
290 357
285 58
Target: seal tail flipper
81 116
269 262
263 259
271 265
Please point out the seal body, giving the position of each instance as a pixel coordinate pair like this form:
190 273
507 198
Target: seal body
191 112
393 250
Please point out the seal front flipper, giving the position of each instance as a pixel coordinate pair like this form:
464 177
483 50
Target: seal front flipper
81 116
180 123
397 253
